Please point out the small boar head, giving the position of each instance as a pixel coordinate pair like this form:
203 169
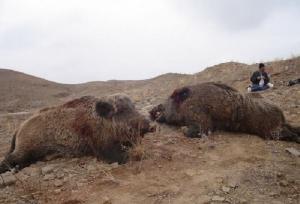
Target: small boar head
171 112
120 109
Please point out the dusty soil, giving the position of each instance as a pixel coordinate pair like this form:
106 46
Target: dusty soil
221 168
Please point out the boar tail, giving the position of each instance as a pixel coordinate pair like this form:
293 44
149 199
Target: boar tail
13 143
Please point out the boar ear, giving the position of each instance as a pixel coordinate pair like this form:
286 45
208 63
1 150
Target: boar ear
180 95
104 109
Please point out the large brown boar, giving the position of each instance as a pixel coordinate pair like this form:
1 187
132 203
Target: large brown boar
104 127
213 106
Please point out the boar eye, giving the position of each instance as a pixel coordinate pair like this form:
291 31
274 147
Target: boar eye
104 109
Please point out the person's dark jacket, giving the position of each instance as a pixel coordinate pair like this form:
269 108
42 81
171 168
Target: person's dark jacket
255 78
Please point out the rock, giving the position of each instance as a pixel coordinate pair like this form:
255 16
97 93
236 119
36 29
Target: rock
79 184
74 191
58 183
211 146
220 180
225 189
276 202
243 201
233 183
273 194
279 175
66 179
184 129
57 191
82 182
49 177
109 181
32 171
193 155
204 199
218 198
190 172
293 151
60 175
107 200
284 183
48 169
114 165
91 168
22 176
7 179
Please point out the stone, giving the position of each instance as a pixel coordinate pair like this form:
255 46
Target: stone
218 198
109 181
243 201
220 180
60 175
48 169
204 199
184 129
280 175
190 172
49 177
276 202
65 179
79 184
22 176
284 183
114 165
58 183
293 151
211 146
232 183
273 194
32 171
225 189
107 200
91 168
7 179
57 191
82 182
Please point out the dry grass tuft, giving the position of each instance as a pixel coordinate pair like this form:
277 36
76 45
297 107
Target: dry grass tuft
137 153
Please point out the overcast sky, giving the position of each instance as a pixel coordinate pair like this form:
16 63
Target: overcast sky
74 41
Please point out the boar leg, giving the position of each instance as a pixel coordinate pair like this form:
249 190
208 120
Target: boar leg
18 159
202 124
290 133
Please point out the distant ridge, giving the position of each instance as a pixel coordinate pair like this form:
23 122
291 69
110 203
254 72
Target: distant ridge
23 92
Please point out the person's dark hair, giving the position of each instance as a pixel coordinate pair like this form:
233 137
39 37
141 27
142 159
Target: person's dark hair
261 65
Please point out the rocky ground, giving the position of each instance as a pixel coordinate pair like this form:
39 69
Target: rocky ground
221 168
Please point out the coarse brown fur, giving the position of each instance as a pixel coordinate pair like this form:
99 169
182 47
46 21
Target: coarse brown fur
85 126
215 106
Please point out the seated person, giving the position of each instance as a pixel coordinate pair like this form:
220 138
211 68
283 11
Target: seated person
260 80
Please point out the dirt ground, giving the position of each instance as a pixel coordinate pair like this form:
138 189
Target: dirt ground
221 168
225 167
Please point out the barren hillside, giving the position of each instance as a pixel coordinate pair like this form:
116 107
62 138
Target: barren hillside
223 168
22 92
